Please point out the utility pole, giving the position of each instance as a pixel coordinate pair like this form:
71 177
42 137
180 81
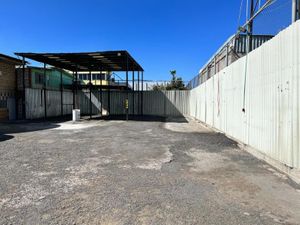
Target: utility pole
295 10
250 26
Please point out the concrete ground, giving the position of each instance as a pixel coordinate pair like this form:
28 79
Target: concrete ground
137 172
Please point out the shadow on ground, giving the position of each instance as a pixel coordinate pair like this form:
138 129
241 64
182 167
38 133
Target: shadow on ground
7 129
144 118
4 137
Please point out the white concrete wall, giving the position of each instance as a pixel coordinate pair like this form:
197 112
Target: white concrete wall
270 76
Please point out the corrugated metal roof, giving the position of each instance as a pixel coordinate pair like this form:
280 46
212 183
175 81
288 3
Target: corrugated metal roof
87 61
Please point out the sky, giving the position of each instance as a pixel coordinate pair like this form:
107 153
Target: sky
162 35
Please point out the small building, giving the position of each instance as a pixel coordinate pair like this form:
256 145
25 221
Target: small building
37 77
8 87
95 78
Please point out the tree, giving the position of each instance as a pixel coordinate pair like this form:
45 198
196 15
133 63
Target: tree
176 83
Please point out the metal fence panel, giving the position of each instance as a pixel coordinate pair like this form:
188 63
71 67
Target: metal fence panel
266 85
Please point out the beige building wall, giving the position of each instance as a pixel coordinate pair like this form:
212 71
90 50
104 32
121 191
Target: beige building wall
7 77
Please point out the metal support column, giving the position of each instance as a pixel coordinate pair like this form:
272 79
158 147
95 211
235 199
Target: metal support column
45 94
215 65
227 55
76 88
61 94
250 27
142 96
139 92
133 91
90 86
73 89
207 73
295 10
108 92
101 94
23 90
127 98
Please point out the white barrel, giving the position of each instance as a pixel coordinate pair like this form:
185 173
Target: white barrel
76 115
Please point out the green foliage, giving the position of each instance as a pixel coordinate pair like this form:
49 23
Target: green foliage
176 83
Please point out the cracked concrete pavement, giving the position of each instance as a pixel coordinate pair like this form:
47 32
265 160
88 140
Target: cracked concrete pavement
136 172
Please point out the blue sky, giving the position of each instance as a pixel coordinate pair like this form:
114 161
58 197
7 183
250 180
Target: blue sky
161 34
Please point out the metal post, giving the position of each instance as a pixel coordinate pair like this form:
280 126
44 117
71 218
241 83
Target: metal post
90 86
250 27
138 87
295 10
298 10
227 55
215 65
133 90
73 89
61 94
142 96
207 73
45 88
76 85
108 92
101 94
23 91
127 98
127 74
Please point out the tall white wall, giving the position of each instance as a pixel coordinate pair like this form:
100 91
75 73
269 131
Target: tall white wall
270 78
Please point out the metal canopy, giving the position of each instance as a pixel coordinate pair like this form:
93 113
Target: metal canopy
10 59
87 61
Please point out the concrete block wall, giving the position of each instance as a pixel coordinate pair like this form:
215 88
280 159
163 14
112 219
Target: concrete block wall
7 77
